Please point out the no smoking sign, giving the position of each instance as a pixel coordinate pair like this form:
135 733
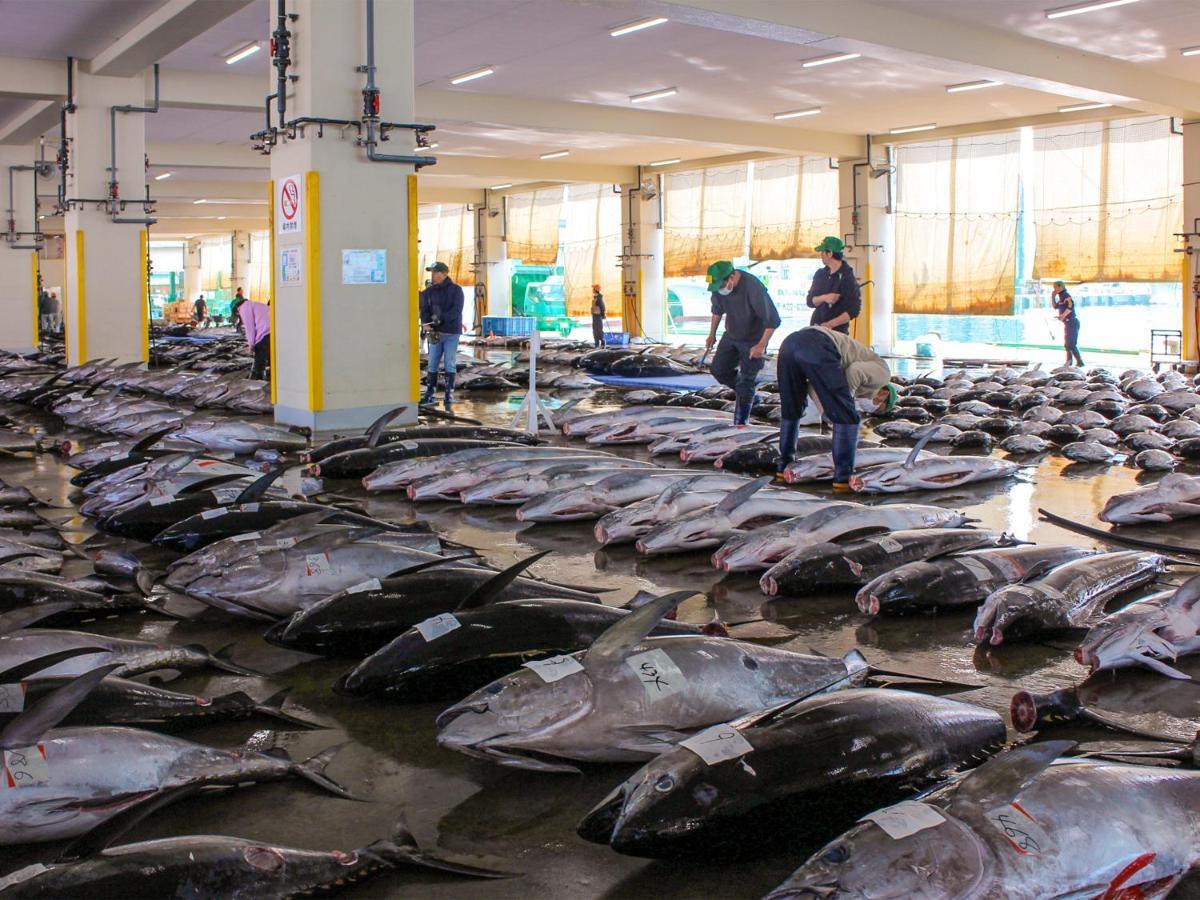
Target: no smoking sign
289 205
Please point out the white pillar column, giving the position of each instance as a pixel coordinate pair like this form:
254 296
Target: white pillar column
868 228
643 284
105 291
495 271
241 261
344 348
1191 261
191 270
18 259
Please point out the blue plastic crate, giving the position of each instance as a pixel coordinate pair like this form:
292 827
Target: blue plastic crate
616 338
509 326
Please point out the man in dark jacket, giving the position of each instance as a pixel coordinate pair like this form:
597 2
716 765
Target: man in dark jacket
750 320
441 309
834 296
597 316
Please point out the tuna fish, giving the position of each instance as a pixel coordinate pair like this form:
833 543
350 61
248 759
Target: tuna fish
1155 461
1024 444
1174 497
1071 596
1091 452
236 435
698 492
819 467
1152 632
590 501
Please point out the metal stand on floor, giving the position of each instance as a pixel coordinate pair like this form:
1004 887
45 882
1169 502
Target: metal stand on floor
532 406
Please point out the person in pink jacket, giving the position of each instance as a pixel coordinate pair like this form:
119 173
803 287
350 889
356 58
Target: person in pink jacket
256 319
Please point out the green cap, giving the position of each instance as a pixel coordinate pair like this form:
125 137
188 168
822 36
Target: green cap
831 244
892 396
718 272
438 267
1060 284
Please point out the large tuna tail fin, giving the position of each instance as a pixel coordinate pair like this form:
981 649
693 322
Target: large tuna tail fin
403 850
313 770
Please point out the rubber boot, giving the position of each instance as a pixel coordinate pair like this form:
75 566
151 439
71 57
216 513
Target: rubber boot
430 389
448 400
845 446
740 414
789 431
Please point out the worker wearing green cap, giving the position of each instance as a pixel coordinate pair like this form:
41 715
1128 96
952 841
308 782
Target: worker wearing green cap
750 320
1064 308
834 296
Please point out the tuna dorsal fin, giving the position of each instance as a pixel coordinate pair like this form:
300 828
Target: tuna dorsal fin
1188 594
30 667
638 600
197 486
376 429
919 446
256 490
27 728
675 490
392 578
498 583
150 440
108 832
742 494
1003 777
300 524
611 648
16 619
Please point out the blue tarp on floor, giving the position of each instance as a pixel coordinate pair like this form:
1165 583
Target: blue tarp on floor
670 383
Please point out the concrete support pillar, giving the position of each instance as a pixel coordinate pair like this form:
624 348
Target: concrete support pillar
344 335
868 228
1191 261
18 261
191 270
241 261
105 308
644 289
494 270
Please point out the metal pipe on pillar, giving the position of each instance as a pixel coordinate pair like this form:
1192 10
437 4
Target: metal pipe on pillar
115 204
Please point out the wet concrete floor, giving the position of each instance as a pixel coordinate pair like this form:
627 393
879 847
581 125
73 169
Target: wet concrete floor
526 821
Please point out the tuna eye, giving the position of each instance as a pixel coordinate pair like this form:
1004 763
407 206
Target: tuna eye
836 855
493 688
664 784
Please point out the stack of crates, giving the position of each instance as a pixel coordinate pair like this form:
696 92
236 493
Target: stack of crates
509 326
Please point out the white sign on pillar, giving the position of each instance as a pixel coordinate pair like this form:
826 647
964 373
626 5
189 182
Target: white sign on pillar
289 205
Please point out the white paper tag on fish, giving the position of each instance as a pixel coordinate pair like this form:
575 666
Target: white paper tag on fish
12 698
26 767
434 628
363 586
906 818
554 668
248 536
975 567
213 513
1020 829
317 564
657 672
30 871
159 501
227 495
891 545
285 543
248 508
718 744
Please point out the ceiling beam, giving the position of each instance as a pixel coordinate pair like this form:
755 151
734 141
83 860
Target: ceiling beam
998 125
567 116
891 32
427 193
173 189
228 91
33 79
161 33
530 170
208 156
27 125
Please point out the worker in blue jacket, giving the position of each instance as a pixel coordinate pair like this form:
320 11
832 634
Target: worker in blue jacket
441 310
750 320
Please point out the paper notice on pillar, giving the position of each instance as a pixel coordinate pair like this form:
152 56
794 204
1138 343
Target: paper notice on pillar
289 265
364 267
289 205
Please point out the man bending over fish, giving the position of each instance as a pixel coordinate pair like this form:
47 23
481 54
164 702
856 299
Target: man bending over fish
837 371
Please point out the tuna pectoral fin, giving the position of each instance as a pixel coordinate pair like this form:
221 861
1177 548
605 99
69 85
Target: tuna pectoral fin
742 494
17 619
1003 777
149 441
490 590
33 666
923 439
403 850
197 486
260 485
1188 594
27 728
273 707
108 832
1162 668
313 769
376 429
611 648
909 677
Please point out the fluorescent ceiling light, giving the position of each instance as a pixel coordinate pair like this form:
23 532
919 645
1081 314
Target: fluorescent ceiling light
472 75
971 86
653 95
220 218
909 129
1075 9
1080 107
1190 51
195 202
500 187
239 55
797 113
557 154
666 162
637 26
826 60
432 146
163 177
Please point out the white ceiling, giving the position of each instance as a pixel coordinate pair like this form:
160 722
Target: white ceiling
49 29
